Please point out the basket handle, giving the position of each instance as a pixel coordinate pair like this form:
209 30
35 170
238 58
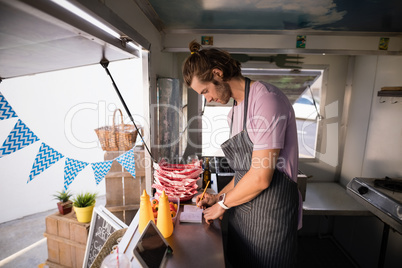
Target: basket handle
114 117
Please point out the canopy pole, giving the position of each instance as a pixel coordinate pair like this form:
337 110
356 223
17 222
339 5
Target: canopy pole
104 62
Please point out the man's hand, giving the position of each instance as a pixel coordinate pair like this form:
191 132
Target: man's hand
208 200
212 213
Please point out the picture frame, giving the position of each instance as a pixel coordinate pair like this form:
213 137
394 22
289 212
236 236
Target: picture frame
103 224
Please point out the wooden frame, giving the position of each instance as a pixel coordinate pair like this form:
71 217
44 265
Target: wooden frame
103 224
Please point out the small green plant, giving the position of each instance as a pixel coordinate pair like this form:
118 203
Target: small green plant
84 200
63 196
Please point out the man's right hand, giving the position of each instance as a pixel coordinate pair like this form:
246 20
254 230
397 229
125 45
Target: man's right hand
207 201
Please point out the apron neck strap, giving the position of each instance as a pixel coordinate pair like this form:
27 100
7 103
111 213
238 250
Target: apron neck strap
246 93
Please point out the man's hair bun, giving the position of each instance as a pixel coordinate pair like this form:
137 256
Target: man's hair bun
194 47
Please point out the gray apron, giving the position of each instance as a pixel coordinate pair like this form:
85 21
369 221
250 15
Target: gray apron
263 231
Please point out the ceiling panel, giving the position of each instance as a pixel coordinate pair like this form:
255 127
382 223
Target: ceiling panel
280 15
32 41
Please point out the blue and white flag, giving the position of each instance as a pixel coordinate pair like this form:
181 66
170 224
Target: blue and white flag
6 111
20 137
127 161
46 157
101 169
71 169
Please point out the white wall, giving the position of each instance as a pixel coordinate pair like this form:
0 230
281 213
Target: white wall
383 155
374 142
62 108
373 149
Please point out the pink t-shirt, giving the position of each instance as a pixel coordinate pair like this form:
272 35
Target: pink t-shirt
270 124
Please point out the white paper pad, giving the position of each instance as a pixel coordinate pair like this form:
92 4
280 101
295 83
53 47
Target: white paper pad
192 214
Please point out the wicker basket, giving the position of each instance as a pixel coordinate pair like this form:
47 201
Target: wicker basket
107 247
117 137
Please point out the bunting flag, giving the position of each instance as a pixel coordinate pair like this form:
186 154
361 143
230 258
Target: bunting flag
127 161
101 169
20 137
46 157
6 111
71 169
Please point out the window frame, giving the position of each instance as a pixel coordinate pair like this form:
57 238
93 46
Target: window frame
308 70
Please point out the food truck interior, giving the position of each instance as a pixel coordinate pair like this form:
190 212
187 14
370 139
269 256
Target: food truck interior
339 62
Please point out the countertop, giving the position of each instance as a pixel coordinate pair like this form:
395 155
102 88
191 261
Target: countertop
201 244
330 198
193 244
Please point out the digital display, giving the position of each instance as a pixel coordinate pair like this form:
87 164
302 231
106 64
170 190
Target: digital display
151 248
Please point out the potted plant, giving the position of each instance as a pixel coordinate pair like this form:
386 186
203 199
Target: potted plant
65 204
84 204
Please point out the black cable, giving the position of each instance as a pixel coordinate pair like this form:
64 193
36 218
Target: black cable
104 64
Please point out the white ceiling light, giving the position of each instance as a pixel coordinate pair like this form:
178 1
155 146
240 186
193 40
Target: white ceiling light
82 14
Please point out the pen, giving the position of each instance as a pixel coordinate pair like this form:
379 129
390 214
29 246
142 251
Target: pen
206 187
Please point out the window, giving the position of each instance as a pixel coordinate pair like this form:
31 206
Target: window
302 87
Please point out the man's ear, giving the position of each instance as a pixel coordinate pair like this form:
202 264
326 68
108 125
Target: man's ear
217 72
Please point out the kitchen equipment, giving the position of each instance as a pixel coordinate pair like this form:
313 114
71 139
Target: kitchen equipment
383 197
221 173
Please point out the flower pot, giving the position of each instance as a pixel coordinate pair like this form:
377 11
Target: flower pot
84 214
65 207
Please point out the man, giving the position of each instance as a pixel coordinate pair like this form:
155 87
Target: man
262 200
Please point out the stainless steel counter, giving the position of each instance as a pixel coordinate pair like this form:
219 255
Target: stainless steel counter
330 198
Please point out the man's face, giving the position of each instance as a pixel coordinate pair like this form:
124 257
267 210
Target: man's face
217 91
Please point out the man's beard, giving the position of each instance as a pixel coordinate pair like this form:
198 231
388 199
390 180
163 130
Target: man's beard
223 91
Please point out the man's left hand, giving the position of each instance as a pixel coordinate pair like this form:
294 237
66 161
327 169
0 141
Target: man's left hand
214 212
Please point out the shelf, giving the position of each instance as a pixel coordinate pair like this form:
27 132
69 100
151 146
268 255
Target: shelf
390 93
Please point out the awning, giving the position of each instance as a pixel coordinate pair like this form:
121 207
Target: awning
40 36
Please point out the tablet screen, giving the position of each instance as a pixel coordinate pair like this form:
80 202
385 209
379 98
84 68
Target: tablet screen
151 248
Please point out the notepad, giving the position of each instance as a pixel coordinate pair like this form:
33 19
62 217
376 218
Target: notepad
192 214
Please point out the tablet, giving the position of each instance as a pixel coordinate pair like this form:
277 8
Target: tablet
152 247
